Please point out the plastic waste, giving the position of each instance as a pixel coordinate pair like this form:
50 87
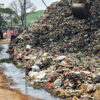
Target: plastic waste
45 55
35 68
60 58
28 47
19 64
91 88
48 71
49 85
33 74
41 75
97 79
57 83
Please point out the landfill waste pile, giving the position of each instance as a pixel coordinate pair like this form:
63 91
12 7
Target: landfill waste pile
61 52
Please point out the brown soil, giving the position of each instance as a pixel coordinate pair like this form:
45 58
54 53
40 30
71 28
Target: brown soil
10 94
4 41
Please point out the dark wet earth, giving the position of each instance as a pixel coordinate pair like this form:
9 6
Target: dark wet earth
17 76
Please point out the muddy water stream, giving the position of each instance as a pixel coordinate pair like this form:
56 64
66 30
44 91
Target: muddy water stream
18 77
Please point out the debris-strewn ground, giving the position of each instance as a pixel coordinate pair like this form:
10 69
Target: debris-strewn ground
61 52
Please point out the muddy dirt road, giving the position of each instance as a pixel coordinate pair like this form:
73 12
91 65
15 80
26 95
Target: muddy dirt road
10 94
5 41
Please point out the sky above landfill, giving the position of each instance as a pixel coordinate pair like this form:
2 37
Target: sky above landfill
38 3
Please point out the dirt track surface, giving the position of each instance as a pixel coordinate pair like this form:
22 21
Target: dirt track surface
4 41
10 94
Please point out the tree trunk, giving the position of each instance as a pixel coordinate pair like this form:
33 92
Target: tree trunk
22 21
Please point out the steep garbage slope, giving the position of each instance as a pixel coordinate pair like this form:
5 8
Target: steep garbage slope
58 27
64 49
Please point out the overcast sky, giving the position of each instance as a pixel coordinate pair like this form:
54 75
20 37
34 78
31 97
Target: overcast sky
39 5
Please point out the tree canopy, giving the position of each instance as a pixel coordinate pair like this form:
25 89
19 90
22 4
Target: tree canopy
7 11
18 8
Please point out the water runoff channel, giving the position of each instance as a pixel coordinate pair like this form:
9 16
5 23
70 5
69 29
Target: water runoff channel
18 76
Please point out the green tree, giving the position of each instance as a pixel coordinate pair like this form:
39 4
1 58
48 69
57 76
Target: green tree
8 14
1 18
18 7
8 11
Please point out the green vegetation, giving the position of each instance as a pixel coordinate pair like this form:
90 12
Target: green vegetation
31 17
2 22
7 11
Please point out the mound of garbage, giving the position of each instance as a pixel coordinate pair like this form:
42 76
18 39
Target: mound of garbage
61 52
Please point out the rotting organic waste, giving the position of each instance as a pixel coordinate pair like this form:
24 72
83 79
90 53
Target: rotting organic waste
62 53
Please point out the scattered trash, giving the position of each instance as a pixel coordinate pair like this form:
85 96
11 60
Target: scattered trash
63 51
91 88
61 58
35 68
49 85
19 65
57 83
97 79
28 47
